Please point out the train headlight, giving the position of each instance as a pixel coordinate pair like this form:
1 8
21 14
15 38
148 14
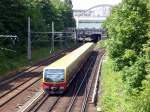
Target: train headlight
62 88
54 88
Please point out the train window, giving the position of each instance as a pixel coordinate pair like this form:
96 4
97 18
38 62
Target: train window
54 75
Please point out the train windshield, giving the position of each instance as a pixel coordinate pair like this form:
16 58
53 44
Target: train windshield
54 75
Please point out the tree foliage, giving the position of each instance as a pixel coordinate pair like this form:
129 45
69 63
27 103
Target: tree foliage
14 14
13 17
127 29
129 47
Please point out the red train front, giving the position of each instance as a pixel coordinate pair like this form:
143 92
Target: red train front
54 81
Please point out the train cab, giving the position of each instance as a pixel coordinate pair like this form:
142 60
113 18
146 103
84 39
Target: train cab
53 80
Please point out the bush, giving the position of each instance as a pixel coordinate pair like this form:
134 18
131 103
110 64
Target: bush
134 75
142 102
127 29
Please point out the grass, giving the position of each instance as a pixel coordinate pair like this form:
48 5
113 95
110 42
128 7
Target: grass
17 63
102 44
113 97
9 65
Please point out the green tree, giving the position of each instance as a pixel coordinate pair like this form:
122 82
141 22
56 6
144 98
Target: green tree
14 14
13 21
64 17
127 28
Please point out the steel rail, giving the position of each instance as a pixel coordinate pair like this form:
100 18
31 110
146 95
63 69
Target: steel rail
37 104
26 81
15 94
53 56
76 93
6 100
34 101
50 59
88 88
11 90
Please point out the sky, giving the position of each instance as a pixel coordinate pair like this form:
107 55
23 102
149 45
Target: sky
86 4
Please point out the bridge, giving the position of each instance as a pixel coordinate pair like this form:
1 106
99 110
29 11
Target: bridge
92 17
89 22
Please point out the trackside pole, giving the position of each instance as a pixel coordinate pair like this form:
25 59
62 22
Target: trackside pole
52 43
29 39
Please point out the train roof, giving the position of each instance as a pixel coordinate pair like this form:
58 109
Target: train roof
65 61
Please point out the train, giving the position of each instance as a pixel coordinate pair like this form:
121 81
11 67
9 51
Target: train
58 75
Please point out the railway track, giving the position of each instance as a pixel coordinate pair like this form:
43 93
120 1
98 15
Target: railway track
24 81
39 104
35 66
89 96
73 100
77 102
79 99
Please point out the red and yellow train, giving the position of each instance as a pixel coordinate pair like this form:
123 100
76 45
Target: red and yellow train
58 75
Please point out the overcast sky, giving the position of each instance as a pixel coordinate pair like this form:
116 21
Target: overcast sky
86 4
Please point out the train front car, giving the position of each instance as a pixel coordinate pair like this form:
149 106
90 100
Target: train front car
53 80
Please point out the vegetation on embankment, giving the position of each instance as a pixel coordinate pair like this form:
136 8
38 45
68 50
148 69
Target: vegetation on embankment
112 97
101 44
12 65
128 48
16 63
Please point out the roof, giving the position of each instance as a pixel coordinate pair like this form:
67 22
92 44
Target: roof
65 61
